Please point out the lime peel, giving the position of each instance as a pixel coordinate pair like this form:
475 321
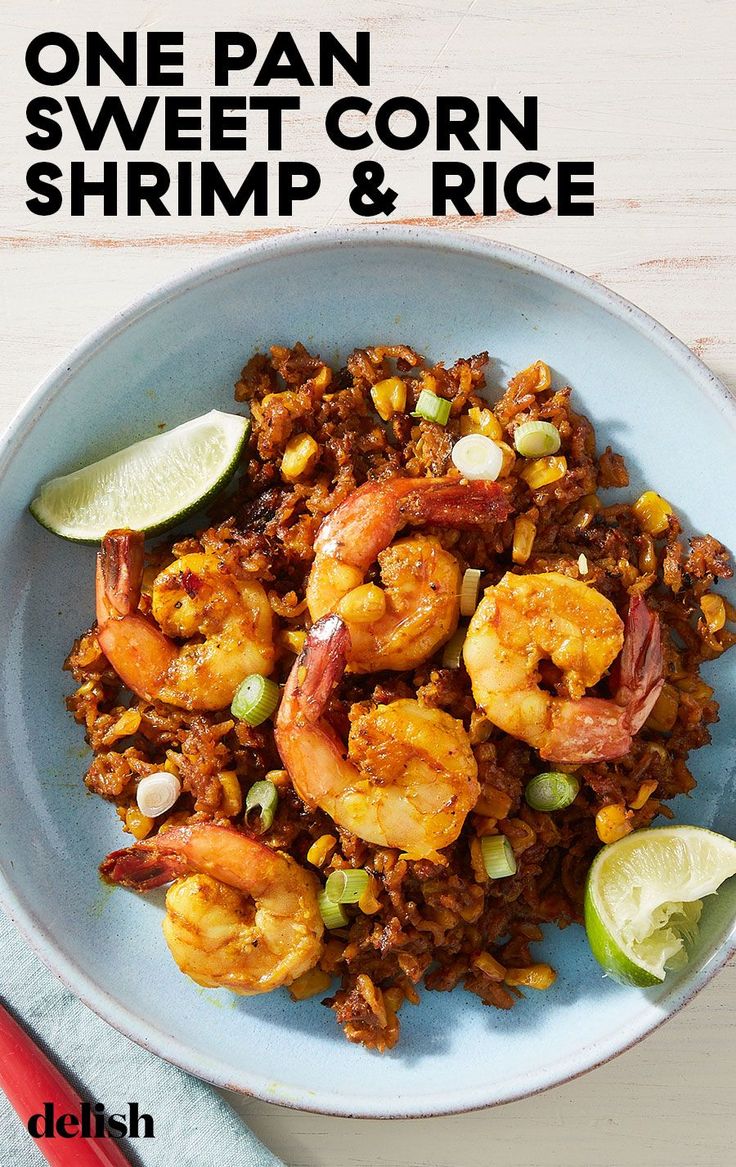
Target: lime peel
643 898
149 486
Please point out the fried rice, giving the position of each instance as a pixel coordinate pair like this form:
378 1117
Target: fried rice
437 924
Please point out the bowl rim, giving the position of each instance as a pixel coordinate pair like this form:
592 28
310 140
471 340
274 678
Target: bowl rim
42 943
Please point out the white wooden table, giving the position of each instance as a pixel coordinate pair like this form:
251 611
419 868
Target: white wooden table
643 91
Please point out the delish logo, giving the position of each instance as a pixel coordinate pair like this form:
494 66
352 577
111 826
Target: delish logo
90 1123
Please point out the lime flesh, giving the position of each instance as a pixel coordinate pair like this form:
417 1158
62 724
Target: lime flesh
149 486
643 898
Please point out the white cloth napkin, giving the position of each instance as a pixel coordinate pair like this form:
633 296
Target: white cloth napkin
193 1126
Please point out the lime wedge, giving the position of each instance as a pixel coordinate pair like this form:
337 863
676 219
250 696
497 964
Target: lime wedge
643 898
149 486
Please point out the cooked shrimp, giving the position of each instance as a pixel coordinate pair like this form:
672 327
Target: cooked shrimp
526 618
243 917
421 580
410 777
193 597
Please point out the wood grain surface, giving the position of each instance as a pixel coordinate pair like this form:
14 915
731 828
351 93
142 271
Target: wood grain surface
646 91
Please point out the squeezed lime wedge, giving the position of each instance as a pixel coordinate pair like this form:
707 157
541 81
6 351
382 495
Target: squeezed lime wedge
149 486
643 898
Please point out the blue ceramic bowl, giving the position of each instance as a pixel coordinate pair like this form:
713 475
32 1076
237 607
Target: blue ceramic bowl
176 354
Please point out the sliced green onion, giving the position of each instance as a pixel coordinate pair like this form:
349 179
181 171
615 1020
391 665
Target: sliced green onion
333 915
432 408
534 439
469 591
346 886
551 790
255 699
478 457
452 656
260 805
498 856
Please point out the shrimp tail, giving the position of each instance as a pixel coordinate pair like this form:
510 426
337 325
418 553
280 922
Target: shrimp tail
368 519
320 666
594 729
135 647
145 865
225 853
456 502
641 668
119 574
301 732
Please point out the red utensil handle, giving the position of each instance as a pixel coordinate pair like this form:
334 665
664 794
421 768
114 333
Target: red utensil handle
29 1080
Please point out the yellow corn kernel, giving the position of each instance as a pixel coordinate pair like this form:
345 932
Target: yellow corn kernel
652 512
714 611
280 778
494 804
121 812
84 689
137 823
524 534
481 421
536 976
323 378
293 639
534 379
590 504
664 713
125 725
389 397
490 966
231 802
644 793
362 605
309 984
369 903
542 471
321 850
613 822
299 457
509 459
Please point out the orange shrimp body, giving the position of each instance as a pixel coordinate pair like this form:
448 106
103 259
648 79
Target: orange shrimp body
527 618
225 624
408 778
240 915
420 579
